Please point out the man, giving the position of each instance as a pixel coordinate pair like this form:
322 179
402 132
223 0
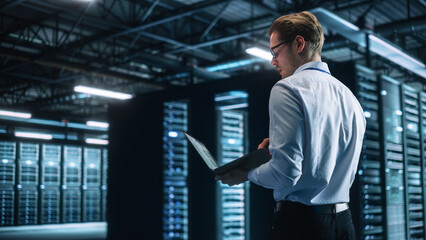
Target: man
315 137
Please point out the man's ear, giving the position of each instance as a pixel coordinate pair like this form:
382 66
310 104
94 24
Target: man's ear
300 43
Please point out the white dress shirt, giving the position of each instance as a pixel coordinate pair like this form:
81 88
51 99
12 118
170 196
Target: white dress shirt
316 132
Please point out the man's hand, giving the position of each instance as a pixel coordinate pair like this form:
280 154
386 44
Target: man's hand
264 144
233 177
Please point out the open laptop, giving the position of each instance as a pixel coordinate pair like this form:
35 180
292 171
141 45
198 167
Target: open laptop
251 160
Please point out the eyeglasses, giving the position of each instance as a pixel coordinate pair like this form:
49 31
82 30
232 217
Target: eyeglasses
275 54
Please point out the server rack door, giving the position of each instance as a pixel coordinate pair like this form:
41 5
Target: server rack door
232 201
413 166
91 185
92 205
370 180
393 158
175 158
50 183
71 184
7 182
422 130
104 185
27 185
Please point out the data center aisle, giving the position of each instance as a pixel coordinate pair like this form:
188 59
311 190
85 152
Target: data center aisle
87 231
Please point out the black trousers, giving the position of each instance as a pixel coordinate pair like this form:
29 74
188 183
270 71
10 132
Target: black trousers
293 226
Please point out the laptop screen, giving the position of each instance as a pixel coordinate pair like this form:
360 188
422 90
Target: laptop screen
204 153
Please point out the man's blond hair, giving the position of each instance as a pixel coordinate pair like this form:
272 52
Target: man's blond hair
304 24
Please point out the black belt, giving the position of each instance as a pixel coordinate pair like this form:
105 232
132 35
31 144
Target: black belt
295 207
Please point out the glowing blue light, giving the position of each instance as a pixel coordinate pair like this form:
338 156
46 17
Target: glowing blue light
399 129
231 141
28 162
367 114
384 92
4 161
173 134
398 112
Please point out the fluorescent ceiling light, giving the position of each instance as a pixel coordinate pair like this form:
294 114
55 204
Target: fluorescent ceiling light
15 114
33 135
378 45
230 65
96 141
97 124
102 92
336 18
235 106
387 50
255 51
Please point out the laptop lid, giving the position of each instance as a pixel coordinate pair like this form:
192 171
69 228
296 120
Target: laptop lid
203 151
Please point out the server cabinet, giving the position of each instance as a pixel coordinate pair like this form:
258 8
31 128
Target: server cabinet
50 205
7 201
91 205
7 182
232 201
368 199
413 167
104 185
27 185
393 158
371 197
175 158
91 185
71 184
71 205
422 130
50 183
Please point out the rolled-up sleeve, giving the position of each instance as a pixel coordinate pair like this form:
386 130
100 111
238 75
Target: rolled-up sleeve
287 139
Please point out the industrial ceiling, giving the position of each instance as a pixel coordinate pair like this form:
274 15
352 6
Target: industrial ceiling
47 47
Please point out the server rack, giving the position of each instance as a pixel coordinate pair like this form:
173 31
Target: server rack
50 182
392 152
7 182
27 185
422 130
175 158
104 184
71 184
91 185
232 201
371 197
413 168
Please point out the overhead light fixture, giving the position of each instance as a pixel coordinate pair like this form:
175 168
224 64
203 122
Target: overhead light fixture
387 50
97 124
15 114
33 135
96 141
336 18
102 92
377 45
255 51
235 64
235 106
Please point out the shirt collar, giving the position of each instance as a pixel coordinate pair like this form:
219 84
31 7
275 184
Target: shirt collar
316 64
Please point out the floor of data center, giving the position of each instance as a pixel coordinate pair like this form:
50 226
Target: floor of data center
87 231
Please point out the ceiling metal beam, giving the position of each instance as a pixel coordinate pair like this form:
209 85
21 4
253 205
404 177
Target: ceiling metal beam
12 4
220 40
